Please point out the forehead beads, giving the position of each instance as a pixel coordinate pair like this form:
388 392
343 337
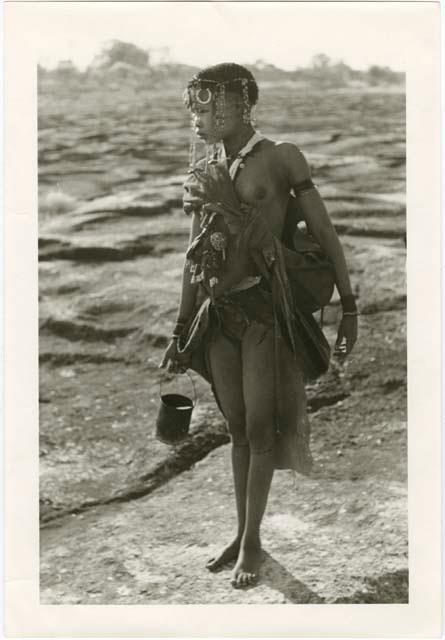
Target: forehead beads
202 91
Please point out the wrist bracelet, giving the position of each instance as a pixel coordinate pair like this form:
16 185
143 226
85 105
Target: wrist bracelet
179 327
351 313
348 303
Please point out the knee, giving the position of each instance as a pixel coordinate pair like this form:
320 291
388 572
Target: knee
260 433
237 431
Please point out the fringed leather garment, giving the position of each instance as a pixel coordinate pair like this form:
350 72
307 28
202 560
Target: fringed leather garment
266 298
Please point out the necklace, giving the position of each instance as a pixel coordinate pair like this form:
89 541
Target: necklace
231 156
243 152
234 162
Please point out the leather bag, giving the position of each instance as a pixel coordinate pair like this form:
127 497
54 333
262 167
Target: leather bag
310 271
313 348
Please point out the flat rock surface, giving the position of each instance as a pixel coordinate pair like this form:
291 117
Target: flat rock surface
324 542
127 519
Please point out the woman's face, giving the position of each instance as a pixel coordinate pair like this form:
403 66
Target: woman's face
202 115
204 119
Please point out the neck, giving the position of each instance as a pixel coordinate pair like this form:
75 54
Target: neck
236 141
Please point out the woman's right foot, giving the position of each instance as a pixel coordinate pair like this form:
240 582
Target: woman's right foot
228 554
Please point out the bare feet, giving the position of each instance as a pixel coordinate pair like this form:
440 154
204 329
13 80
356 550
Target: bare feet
228 554
247 566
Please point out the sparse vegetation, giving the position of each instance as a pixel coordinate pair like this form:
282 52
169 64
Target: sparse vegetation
129 63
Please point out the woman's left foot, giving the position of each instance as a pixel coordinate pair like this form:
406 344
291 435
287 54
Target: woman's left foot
246 571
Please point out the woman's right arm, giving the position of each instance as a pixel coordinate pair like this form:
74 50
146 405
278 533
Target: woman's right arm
189 289
187 302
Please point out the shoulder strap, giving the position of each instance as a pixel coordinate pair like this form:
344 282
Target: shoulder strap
250 144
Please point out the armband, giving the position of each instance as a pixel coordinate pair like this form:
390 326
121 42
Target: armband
304 187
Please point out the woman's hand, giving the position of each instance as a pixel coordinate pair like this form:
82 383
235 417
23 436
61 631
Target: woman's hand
346 336
232 217
217 185
170 359
193 197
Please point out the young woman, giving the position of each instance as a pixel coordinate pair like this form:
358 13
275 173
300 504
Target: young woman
235 320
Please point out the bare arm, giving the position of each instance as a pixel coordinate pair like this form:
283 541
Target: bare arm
320 226
317 219
186 306
189 289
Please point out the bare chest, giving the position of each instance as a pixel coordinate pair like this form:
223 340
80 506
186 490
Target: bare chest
260 184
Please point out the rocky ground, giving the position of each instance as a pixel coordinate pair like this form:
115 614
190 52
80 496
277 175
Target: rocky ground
127 519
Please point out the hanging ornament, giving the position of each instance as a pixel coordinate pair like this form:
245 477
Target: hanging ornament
246 102
203 96
220 104
192 150
219 242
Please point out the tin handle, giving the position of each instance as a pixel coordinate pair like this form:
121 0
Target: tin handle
195 397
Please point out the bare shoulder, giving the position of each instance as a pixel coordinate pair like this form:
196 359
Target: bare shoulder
281 151
292 159
287 159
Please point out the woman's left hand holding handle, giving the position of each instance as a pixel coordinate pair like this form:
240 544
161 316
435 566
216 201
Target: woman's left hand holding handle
170 359
347 335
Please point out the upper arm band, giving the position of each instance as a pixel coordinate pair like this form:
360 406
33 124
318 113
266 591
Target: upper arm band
304 187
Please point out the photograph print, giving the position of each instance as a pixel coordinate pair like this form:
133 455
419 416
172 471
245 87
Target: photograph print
222 304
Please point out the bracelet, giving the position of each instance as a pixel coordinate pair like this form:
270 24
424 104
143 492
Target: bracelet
351 313
348 303
179 327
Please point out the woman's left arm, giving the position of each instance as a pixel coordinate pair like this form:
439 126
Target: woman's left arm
320 226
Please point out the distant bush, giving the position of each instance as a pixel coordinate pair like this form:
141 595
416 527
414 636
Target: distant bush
383 75
131 66
117 52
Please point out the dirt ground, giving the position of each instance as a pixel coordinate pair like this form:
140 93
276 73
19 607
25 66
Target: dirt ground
127 519
338 536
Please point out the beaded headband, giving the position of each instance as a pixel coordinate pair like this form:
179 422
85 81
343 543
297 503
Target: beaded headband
196 92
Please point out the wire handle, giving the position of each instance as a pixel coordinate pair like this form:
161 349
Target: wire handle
195 397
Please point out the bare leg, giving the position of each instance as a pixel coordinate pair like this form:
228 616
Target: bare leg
258 384
225 359
240 467
250 553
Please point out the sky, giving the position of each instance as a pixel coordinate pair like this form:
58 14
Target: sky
286 34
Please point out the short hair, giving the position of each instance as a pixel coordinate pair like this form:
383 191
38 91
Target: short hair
232 75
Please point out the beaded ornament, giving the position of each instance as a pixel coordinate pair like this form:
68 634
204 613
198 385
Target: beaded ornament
198 93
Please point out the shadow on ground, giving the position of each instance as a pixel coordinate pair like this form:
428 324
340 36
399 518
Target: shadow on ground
390 588
276 576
